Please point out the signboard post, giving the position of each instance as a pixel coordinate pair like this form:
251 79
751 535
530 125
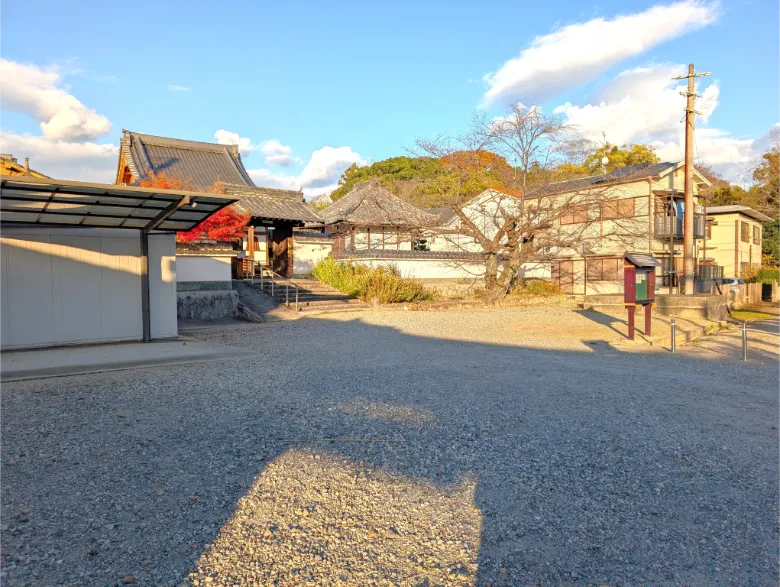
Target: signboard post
639 288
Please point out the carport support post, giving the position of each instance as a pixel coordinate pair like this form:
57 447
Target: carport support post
631 310
147 320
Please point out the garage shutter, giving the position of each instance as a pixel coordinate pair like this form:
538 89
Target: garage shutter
70 286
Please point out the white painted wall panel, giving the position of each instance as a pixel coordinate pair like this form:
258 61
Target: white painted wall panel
201 268
162 285
30 296
76 273
120 284
5 299
75 285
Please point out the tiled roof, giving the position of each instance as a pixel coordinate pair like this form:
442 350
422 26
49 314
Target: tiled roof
206 248
619 175
370 204
272 204
407 254
198 164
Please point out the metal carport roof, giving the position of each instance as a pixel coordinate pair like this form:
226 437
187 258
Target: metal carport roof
32 200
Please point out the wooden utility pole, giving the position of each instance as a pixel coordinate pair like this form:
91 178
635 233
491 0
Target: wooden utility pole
690 117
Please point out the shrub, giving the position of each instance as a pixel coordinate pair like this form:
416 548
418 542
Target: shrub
764 275
383 283
536 287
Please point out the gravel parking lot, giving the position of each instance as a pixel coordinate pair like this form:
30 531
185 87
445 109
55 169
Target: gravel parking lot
493 447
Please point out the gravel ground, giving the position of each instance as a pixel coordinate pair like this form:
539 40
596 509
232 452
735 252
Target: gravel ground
495 447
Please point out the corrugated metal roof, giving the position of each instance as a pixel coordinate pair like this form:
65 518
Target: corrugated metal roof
619 175
272 204
370 204
199 164
32 200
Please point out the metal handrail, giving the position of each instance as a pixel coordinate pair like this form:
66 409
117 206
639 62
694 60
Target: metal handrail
286 280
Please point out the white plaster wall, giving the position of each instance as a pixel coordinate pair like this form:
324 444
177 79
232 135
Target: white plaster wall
308 252
203 268
445 269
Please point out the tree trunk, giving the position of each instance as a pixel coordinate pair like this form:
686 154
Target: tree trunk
491 272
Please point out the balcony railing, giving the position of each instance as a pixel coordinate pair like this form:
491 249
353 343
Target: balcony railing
672 226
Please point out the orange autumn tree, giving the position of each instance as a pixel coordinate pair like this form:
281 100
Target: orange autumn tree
225 225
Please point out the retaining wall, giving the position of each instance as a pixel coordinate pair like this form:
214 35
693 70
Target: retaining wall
711 307
207 304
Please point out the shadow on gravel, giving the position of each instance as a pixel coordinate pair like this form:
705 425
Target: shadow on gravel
357 454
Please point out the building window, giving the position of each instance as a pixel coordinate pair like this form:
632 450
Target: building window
575 215
745 232
757 235
603 269
709 230
613 209
744 268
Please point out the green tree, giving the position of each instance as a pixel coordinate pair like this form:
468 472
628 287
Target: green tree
417 179
585 159
770 245
767 178
388 171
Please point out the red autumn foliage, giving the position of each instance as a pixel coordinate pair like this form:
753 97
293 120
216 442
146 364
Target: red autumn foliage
226 225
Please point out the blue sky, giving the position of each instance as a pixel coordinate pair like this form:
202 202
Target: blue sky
308 88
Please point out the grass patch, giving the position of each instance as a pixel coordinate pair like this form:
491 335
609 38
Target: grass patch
383 283
748 315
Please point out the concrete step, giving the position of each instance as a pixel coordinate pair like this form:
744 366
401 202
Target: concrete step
329 302
332 308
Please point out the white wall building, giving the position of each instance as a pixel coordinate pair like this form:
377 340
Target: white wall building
91 263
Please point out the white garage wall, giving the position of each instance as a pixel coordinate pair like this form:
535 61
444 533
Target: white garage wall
202 268
162 286
80 285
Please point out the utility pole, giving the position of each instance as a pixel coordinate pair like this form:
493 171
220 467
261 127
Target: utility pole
690 117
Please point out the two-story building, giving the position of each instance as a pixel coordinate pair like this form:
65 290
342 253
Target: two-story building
593 222
734 237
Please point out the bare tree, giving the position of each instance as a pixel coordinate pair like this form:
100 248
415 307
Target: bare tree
509 228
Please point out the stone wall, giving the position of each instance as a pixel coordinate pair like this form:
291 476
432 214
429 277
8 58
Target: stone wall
207 305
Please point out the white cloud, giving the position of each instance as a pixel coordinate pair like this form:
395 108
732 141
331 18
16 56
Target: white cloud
275 152
319 176
38 92
577 53
175 88
80 161
644 105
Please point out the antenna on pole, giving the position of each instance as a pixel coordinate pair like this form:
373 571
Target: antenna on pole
688 228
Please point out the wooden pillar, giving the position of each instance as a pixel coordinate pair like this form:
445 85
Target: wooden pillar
648 319
250 248
631 311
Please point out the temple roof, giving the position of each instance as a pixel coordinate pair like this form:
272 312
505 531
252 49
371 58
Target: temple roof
272 204
198 164
370 204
